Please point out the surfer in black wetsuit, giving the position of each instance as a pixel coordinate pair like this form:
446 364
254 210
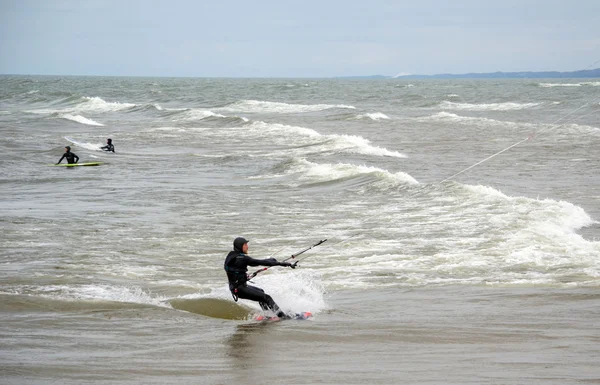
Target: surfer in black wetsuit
236 266
70 156
109 146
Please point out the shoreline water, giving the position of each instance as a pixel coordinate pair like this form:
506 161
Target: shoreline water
452 335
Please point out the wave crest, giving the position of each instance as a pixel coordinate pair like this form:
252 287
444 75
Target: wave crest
80 119
506 106
279 107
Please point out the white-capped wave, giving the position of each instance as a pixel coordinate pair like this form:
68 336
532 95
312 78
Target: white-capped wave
549 85
507 106
322 172
81 119
363 146
576 129
87 105
554 129
103 293
278 107
373 116
96 104
448 116
298 136
461 234
197 114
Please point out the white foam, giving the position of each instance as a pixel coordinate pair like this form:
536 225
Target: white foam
320 172
295 135
88 105
576 129
448 116
462 234
197 114
507 106
363 146
373 116
103 293
555 129
81 119
97 105
548 85
278 107
294 291
276 129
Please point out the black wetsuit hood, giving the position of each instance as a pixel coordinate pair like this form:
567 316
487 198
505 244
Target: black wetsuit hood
239 243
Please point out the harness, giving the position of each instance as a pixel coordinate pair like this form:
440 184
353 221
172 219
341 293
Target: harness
240 276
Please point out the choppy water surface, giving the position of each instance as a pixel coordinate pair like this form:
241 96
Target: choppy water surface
114 273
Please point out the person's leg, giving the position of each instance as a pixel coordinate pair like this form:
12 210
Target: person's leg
264 300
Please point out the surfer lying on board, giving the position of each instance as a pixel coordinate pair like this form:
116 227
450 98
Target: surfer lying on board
109 146
70 156
236 266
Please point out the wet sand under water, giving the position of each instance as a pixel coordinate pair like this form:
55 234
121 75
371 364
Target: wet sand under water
443 335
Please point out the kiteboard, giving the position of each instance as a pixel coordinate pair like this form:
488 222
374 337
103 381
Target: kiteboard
78 164
73 141
298 316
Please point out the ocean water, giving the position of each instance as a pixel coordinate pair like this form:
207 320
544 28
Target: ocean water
447 260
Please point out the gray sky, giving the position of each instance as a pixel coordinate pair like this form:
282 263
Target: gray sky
302 38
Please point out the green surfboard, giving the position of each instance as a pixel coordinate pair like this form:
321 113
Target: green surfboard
78 164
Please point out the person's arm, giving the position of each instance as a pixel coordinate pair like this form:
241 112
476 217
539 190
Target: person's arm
266 262
61 158
261 262
76 158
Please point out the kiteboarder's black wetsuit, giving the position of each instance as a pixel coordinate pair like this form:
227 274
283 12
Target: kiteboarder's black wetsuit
70 156
236 266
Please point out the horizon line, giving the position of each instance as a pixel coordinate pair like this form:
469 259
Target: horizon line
398 76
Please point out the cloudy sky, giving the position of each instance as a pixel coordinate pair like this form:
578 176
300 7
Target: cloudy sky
242 38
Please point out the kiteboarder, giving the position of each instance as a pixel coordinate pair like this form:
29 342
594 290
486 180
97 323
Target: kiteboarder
236 266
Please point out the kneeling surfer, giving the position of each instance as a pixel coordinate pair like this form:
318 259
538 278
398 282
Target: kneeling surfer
236 266
70 156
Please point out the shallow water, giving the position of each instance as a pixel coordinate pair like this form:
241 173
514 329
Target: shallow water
457 335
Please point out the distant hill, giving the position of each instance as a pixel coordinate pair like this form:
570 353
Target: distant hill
595 73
